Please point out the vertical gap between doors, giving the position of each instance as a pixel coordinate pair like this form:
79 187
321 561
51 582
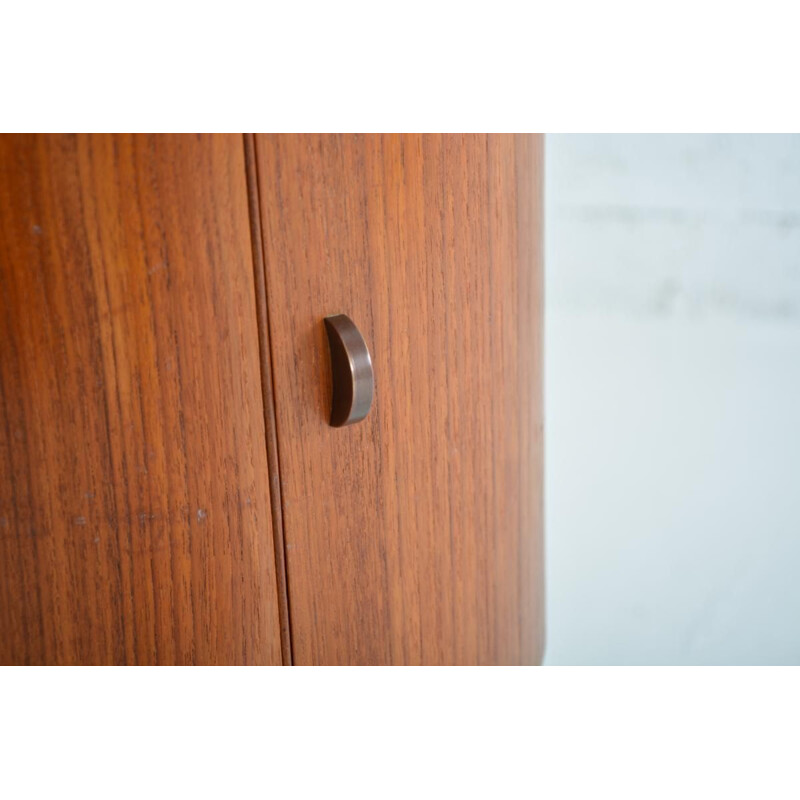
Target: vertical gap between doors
267 386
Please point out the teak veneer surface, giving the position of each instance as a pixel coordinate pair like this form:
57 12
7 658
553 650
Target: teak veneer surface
166 464
135 521
414 536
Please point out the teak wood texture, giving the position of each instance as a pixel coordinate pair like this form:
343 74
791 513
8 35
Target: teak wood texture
171 490
414 536
135 518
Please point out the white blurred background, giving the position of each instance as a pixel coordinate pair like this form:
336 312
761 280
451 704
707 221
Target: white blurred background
672 399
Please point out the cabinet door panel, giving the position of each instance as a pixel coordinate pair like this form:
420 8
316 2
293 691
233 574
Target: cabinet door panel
415 535
134 495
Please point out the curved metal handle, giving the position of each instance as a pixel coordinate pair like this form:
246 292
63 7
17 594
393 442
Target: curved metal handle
351 371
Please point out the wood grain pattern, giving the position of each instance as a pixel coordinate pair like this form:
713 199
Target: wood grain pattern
414 536
135 520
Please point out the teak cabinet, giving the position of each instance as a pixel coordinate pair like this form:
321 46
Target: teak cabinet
171 490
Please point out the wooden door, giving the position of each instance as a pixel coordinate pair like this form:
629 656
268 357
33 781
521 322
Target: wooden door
135 517
414 536
166 465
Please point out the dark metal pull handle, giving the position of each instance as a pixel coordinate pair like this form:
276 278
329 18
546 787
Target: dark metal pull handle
351 371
